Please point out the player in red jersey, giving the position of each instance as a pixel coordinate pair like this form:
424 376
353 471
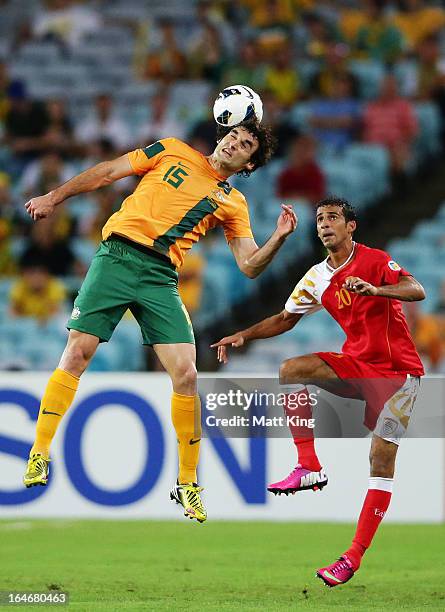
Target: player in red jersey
361 288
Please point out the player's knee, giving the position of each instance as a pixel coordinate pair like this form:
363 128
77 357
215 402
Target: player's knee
77 356
290 370
185 377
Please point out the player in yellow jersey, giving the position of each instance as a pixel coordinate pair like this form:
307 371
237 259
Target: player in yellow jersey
182 194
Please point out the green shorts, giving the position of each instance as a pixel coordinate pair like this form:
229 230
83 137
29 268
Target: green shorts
121 276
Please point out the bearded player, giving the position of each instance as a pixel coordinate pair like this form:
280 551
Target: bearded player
361 288
182 194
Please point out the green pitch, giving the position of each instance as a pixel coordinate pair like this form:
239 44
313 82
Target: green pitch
145 565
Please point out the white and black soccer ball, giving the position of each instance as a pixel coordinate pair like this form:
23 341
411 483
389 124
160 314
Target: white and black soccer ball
236 104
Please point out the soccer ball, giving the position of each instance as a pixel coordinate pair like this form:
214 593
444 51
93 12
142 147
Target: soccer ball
236 104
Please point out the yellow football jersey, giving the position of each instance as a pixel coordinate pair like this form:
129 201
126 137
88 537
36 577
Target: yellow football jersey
179 198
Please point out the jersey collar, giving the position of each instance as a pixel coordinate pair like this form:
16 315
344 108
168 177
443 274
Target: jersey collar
331 271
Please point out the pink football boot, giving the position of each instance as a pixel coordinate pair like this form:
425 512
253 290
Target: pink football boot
300 479
338 573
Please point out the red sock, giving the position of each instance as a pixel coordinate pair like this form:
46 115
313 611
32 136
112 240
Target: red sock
298 407
374 508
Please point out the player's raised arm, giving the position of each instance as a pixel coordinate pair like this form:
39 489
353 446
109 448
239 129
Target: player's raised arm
408 289
267 328
251 258
98 176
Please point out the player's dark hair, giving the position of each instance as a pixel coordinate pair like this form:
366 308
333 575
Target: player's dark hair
266 142
347 209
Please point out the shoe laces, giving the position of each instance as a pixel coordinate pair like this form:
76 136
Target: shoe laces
192 495
37 463
292 474
340 565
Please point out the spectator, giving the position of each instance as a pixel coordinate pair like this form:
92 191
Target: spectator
98 151
105 201
351 20
59 133
190 281
336 119
160 125
246 68
417 21
390 121
7 218
36 294
272 21
7 86
302 177
206 56
319 32
52 252
430 83
44 174
430 75
281 77
334 67
65 22
101 150
104 123
26 123
203 133
166 62
271 13
428 331
379 39
283 130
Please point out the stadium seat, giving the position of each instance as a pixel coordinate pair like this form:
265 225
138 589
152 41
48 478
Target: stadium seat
428 141
430 232
188 100
83 249
299 116
370 74
373 160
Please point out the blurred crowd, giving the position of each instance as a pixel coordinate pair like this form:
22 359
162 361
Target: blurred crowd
295 53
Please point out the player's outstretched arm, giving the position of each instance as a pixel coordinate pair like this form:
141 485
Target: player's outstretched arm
408 289
267 328
251 258
98 176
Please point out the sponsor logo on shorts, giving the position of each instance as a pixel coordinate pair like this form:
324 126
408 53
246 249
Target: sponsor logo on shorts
76 313
393 265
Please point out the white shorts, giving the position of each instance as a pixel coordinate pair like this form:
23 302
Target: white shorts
394 418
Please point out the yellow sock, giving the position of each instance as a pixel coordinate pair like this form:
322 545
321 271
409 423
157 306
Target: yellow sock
186 418
59 394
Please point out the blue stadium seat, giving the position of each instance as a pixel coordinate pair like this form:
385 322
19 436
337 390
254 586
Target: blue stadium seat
83 249
299 116
107 358
409 254
374 163
128 339
349 182
428 141
370 74
188 100
430 232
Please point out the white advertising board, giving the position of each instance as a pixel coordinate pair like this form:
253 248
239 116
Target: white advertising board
114 456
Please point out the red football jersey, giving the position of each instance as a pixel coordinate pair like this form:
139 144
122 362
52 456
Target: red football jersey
375 327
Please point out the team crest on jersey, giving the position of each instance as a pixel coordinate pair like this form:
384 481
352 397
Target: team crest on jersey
75 314
393 265
219 195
